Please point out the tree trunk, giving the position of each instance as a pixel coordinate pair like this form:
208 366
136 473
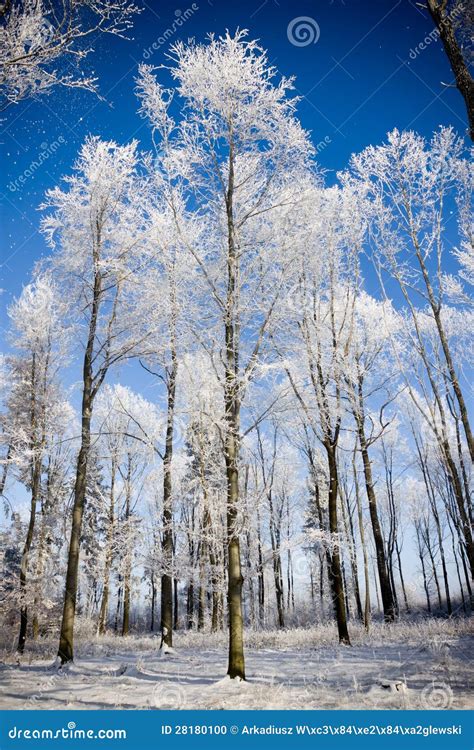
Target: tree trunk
349 529
335 571
118 607
201 606
35 492
66 639
423 569
175 605
385 588
442 555
104 606
236 668
190 606
36 469
428 545
250 582
153 602
3 478
39 578
261 577
66 642
215 592
400 571
275 535
376 586
128 553
460 67
167 542
364 547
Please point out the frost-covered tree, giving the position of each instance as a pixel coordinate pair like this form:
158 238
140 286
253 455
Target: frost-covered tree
43 43
369 375
95 226
312 344
409 184
166 286
35 404
127 429
237 155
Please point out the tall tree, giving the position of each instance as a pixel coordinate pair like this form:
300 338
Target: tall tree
95 226
235 154
368 372
319 317
35 402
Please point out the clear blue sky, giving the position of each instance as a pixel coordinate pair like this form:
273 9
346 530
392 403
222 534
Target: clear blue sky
357 82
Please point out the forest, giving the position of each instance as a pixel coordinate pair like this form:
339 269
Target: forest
235 400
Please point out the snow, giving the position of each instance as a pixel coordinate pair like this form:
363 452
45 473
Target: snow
404 666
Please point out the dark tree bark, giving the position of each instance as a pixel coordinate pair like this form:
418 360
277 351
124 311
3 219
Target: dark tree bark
363 544
434 509
119 606
349 529
275 539
175 604
443 18
190 606
153 601
335 570
261 576
3 478
400 571
423 566
127 575
104 606
167 539
388 603
236 666
66 640
35 492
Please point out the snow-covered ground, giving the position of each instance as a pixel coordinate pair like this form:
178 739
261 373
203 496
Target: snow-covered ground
428 664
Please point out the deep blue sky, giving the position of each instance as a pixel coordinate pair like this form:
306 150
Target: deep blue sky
357 82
